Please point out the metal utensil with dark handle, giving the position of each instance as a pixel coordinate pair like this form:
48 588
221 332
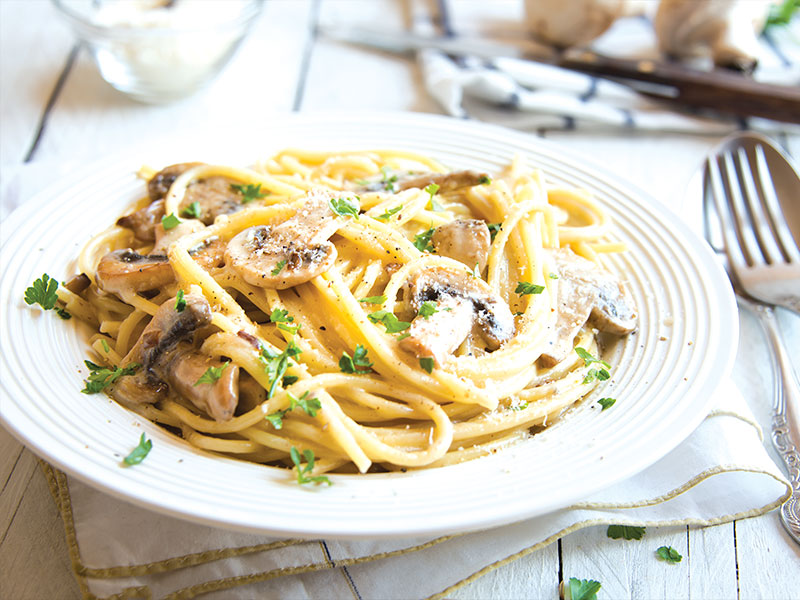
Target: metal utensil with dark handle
755 193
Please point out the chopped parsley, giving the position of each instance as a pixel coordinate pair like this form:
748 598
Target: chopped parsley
212 375
289 380
426 363
625 532
422 241
485 180
106 349
303 471
389 321
170 221
427 309
599 374
669 554
180 301
310 406
388 213
193 211
373 300
552 276
389 179
582 589
278 267
432 189
102 377
138 454
344 206
43 292
283 319
357 364
494 229
606 403
525 288
249 192
521 406
476 272
275 365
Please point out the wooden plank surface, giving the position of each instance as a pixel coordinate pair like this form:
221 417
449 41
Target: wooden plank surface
284 66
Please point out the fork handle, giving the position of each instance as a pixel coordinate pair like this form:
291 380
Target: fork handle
785 430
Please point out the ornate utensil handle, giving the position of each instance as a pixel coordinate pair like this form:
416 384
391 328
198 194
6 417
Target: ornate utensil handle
785 417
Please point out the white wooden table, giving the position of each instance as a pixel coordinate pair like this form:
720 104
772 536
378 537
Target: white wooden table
55 107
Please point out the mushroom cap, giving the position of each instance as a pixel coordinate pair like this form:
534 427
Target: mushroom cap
128 271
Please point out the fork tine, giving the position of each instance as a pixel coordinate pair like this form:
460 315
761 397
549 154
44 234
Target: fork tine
783 236
763 234
741 218
718 194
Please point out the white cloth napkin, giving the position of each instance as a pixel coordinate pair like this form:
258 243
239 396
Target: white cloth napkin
528 95
720 473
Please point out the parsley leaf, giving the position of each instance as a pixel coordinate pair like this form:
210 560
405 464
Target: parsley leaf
389 179
63 313
432 189
289 380
212 374
669 554
193 211
137 454
388 213
275 365
276 418
170 221
583 589
42 292
105 345
373 300
359 360
282 318
525 288
101 377
180 301
606 403
426 363
422 241
599 374
427 309
278 267
485 180
626 532
552 276
310 406
344 206
521 406
303 471
388 320
494 229
249 192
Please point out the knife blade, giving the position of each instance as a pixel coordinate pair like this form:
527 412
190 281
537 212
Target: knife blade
722 91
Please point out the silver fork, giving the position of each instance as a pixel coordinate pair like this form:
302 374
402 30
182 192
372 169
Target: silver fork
749 184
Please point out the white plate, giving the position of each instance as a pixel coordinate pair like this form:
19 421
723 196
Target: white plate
663 375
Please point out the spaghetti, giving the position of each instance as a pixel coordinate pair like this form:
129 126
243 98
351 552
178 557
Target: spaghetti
370 307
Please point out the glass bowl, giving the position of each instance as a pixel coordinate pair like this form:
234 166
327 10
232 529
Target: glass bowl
158 51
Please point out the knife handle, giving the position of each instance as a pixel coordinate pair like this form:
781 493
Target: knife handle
723 91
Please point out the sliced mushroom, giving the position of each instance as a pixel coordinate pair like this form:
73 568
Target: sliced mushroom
586 293
218 399
125 270
78 283
144 221
447 182
465 240
463 302
285 255
159 184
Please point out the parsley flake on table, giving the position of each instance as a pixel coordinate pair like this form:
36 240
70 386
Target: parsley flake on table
426 363
303 471
344 206
373 300
211 375
249 192
170 221
101 377
278 267
389 321
606 403
44 292
599 374
525 288
138 454
625 532
427 309
582 589
422 241
357 363
193 211
669 554
180 301
432 190
388 213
